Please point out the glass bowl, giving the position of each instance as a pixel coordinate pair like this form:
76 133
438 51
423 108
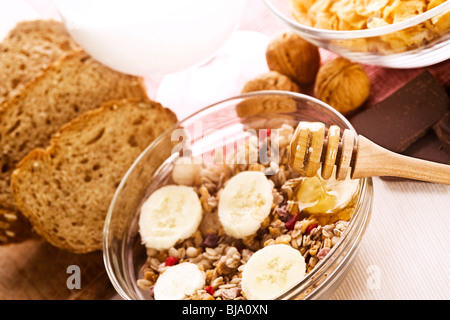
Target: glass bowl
123 252
406 44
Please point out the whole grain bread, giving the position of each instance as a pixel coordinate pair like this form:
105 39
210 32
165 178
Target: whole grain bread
66 189
28 49
69 87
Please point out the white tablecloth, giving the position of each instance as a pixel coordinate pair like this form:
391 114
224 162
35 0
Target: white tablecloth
405 251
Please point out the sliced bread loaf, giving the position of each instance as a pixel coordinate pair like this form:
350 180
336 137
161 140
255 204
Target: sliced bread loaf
65 190
69 87
28 49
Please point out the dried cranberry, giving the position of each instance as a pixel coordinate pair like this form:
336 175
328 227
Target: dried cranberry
290 224
210 240
323 252
238 244
283 213
309 229
209 289
170 261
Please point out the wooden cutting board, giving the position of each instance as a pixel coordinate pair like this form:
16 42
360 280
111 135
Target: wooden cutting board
35 270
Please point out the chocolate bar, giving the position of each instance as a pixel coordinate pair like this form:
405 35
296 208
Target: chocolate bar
429 148
442 130
405 116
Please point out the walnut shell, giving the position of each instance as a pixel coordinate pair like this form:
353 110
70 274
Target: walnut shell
271 80
342 84
265 105
294 57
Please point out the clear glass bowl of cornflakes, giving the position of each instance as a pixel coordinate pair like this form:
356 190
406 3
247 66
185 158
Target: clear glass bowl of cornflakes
395 34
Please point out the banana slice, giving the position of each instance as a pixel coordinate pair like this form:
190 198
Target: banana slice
178 281
170 214
271 271
244 203
317 195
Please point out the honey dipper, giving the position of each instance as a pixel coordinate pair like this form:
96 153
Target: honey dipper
313 148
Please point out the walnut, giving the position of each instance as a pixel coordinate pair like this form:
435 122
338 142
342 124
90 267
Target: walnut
266 105
294 57
272 80
342 84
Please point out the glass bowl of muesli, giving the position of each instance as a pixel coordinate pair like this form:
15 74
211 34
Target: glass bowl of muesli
394 34
211 210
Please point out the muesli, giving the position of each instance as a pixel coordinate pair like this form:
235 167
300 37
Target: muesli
240 229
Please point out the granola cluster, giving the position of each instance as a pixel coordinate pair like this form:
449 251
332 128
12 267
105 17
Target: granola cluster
222 257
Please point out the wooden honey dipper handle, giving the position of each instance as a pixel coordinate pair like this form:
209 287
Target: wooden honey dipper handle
355 156
373 160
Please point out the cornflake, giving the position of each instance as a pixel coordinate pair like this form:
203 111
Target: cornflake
369 14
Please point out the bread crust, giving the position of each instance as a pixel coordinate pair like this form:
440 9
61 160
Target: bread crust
27 50
30 179
20 132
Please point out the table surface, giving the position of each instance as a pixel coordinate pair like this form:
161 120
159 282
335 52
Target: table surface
404 253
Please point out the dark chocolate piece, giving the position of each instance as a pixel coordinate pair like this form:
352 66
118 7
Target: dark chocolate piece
442 130
427 148
405 116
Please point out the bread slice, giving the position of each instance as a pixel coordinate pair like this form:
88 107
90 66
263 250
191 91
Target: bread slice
28 49
69 87
65 190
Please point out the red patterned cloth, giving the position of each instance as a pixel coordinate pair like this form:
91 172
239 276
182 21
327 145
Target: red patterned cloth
385 81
